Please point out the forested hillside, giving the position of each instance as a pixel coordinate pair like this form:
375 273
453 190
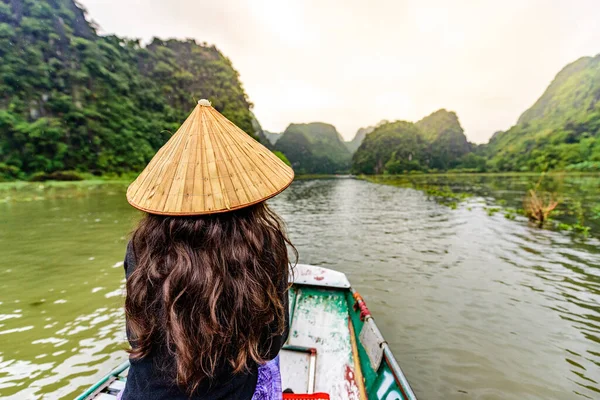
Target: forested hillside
73 100
560 131
314 148
437 142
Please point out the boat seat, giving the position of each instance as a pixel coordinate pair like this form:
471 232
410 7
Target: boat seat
313 396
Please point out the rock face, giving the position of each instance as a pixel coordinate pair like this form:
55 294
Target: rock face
314 148
561 130
74 100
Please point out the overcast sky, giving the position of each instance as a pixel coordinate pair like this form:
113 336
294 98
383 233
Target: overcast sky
353 63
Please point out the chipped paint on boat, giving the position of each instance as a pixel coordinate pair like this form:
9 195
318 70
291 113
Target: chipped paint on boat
334 345
320 321
304 274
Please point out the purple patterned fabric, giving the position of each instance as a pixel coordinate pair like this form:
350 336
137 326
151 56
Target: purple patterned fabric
268 386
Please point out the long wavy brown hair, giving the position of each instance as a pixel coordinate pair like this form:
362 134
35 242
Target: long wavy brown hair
208 289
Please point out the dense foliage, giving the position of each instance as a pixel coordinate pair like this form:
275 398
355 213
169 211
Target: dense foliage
560 131
314 148
73 100
435 142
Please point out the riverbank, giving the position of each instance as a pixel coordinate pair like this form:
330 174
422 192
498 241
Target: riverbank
51 189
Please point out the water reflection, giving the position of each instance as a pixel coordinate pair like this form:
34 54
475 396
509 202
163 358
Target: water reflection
473 305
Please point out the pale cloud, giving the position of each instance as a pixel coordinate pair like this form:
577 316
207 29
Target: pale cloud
353 63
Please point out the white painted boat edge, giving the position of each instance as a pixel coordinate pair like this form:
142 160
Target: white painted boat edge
312 275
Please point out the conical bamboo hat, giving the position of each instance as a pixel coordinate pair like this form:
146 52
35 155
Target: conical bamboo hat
208 166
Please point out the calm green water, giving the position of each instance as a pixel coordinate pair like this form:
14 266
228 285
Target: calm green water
475 306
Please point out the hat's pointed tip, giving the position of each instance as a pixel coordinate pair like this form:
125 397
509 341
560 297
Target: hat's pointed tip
208 147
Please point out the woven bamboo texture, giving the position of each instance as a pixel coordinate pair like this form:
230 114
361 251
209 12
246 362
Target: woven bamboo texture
208 166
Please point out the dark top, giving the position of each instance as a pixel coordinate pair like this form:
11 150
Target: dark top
145 382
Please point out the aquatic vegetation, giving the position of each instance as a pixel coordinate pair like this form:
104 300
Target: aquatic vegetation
596 212
539 206
492 210
580 226
577 210
582 229
576 228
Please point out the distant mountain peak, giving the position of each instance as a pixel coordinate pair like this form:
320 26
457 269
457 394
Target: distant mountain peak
439 122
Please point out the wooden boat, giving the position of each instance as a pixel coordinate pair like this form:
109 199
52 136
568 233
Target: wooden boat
334 346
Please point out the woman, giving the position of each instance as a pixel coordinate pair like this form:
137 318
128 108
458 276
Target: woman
207 268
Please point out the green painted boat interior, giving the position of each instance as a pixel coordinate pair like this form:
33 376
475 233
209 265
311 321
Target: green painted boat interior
332 346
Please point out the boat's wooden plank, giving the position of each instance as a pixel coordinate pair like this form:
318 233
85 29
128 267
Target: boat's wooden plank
321 321
359 376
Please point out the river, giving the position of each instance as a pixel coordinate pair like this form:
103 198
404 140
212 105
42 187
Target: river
473 304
